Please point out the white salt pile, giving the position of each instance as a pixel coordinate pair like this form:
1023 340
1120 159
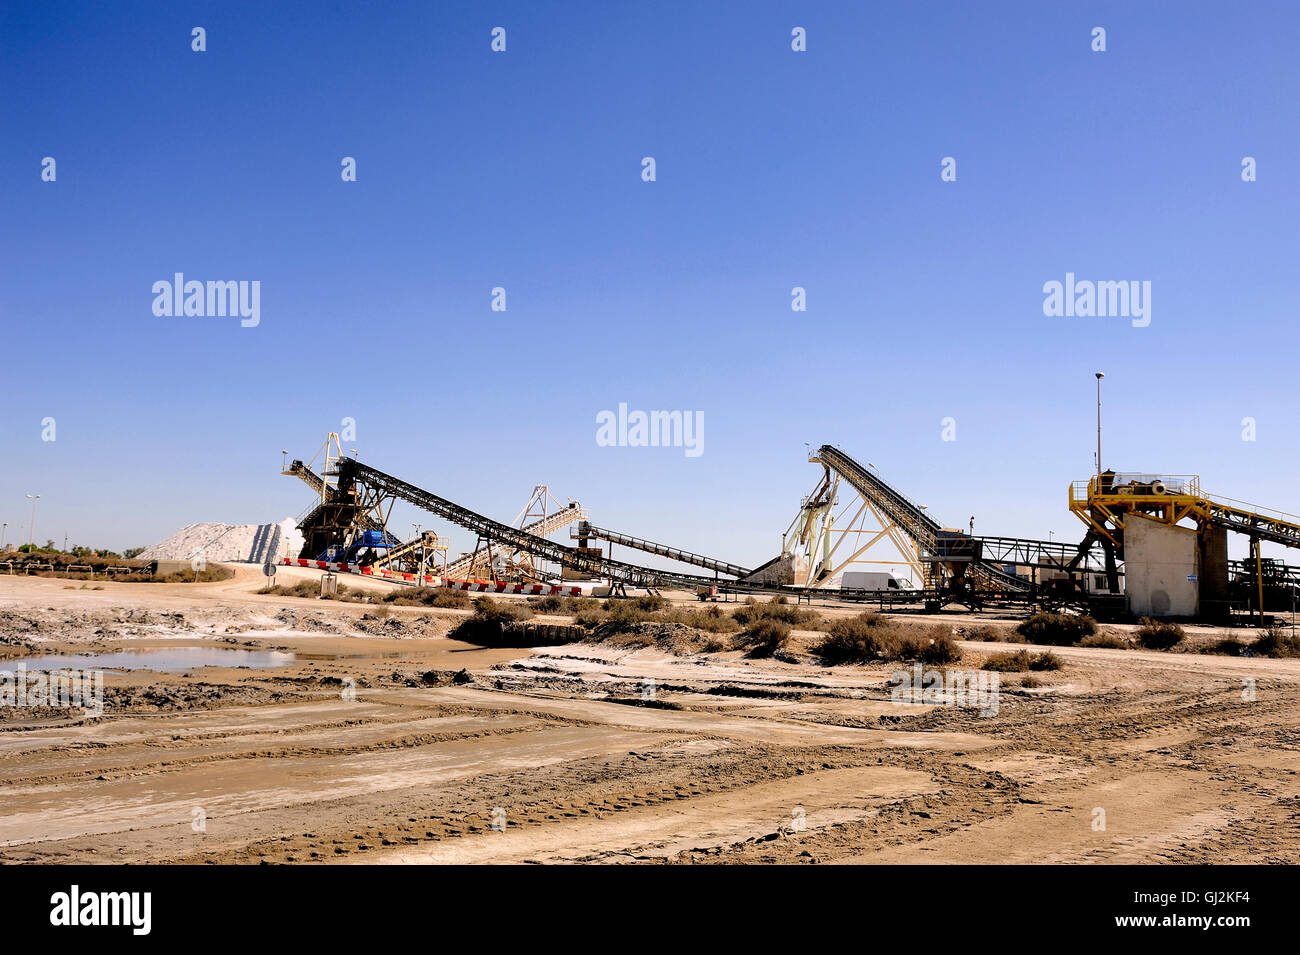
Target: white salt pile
257 543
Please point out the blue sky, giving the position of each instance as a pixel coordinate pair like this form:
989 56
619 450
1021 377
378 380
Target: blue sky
522 170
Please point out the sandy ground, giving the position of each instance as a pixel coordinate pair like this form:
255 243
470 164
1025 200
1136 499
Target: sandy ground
387 742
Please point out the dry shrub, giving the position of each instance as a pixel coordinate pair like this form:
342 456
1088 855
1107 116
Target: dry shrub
205 576
711 619
750 612
1021 661
429 597
872 636
1158 635
1057 629
486 625
855 639
766 636
1105 641
1228 647
303 588
1277 642
591 617
566 606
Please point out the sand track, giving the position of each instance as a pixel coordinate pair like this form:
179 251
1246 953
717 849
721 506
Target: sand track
734 760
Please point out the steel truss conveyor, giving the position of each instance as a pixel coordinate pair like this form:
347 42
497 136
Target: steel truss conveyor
356 479
587 530
913 521
352 474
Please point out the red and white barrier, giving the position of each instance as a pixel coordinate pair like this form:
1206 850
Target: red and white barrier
476 586
497 587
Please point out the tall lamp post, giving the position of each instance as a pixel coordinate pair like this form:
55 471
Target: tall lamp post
1100 376
31 531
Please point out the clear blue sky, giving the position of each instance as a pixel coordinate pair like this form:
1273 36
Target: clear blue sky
523 170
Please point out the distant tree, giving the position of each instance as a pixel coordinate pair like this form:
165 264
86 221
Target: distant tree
132 552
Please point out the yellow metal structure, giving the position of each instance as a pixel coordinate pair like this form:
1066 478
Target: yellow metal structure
1103 502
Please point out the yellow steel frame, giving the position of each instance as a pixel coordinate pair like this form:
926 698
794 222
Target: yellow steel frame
1104 512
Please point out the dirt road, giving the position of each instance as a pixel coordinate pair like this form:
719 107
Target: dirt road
385 741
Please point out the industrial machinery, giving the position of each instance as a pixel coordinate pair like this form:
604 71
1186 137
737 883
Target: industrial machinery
349 520
1109 502
852 504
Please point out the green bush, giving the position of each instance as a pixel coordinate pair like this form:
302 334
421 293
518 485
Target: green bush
1157 635
1056 629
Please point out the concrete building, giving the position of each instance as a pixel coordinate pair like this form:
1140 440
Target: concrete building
1161 568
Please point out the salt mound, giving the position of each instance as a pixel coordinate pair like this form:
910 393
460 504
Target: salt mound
256 543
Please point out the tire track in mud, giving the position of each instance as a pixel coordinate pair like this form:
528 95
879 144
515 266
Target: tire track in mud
598 788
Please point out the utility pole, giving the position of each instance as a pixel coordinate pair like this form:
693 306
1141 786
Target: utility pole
1100 376
31 531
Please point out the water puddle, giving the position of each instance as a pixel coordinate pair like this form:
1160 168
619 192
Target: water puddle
161 660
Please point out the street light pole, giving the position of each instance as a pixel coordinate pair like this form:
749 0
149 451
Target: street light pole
1100 376
31 531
